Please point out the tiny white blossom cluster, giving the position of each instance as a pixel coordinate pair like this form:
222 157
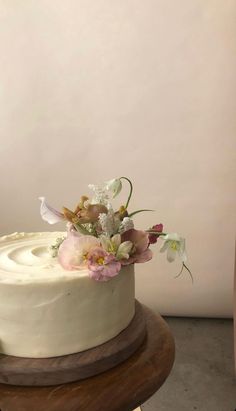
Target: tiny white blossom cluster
126 224
100 194
109 223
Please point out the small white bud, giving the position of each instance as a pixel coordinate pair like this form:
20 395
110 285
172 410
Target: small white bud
115 186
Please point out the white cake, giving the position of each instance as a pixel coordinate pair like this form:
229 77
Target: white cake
47 311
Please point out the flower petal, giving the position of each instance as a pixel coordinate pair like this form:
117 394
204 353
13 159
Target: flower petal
138 237
128 261
144 256
111 269
49 213
97 275
164 246
172 237
181 251
116 240
68 256
114 185
124 250
74 249
171 254
104 272
153 237
105 241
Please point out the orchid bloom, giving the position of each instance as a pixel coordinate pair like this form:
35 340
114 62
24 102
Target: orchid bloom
102 265
173 243
73 252
84 215
49 213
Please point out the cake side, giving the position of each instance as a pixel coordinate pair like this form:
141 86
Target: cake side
46 311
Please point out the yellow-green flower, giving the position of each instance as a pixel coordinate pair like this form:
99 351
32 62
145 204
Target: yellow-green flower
174 244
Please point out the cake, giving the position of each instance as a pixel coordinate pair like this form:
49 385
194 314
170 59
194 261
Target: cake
47 311
67 292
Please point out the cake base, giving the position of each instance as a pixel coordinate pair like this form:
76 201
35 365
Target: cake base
74 367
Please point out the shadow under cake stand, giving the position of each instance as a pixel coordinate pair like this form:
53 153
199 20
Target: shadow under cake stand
133 373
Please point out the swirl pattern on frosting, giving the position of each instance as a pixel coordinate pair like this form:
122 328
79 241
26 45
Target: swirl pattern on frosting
25 257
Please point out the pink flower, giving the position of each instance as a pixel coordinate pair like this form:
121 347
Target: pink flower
153 237
140 252
73 252
102 265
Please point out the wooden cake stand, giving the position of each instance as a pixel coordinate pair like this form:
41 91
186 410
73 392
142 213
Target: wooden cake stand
75 367
121 388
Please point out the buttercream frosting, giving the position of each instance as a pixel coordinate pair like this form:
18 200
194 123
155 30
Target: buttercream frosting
47 311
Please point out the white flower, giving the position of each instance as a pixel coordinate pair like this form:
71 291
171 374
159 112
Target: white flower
100 195
126 224
174 244
114 246
114 185
124 250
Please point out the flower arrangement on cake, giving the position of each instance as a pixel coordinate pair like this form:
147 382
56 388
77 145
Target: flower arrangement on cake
102 239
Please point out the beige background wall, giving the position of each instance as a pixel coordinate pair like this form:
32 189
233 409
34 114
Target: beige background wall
93 89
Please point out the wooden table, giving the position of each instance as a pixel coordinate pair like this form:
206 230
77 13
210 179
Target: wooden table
122 388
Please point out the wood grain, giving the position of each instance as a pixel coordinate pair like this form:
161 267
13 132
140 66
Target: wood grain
122 388
74 367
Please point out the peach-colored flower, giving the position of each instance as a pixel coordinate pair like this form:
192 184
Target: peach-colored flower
91 213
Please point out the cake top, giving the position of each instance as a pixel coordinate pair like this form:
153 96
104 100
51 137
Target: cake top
27 257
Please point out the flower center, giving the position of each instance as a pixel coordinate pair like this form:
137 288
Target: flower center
174 245
111 248
100 260
85 257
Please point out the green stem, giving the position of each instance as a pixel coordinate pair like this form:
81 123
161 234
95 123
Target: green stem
81 229
131 190
188 271
94 233
184 266
138 211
